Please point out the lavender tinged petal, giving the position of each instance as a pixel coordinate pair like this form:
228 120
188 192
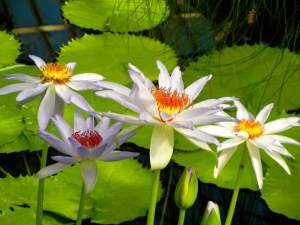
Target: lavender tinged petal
40 63
46 108
89 174
15 88
117 155
52 169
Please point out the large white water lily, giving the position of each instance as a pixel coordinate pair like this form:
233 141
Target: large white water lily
56 83
85 143
257 134
167 106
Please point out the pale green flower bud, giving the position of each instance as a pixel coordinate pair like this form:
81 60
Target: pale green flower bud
187 189
211 215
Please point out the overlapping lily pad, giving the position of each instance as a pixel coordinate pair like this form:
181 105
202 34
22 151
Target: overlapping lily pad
10 49
114 192
256 74
116 16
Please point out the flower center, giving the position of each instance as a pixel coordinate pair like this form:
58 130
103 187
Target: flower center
56 73
88 138
253 128
169 103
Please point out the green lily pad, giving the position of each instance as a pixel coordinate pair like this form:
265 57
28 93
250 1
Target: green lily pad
116 16
10 49
122 187
256 74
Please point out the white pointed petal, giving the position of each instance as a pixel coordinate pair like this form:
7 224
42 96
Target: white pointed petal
217 131
115 87
57 143
90 123
123 118
16 88
87 77
230 143
280 125
263 115
22 77
64 159
40 63
63 127
195 113
117 155
181 124
135 72
213 102
161 147
283 139
256 163
71 66
28 94
198 135
195 88
163 77
79 121
46 108
52 169
82 85
213 119
176 80
70 96
199 144
103 125
121 99
241 112
89 174
223 158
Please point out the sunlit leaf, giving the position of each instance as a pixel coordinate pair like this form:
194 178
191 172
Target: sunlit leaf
10 49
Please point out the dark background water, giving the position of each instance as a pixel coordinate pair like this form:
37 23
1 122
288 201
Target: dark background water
234 22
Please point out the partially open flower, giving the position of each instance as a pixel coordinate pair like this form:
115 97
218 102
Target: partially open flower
85 143
167 106
55 83
257 134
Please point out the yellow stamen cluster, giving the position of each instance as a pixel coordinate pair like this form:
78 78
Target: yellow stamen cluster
56 73
253 128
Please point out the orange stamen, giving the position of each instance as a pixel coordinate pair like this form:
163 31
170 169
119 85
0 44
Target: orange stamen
56 73
253 128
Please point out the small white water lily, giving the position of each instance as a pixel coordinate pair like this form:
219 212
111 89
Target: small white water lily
85 143
57 81
166 107
257 134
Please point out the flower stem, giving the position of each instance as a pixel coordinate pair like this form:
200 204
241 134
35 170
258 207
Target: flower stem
81 205
167 195
152 205
236 190
41 187
181 217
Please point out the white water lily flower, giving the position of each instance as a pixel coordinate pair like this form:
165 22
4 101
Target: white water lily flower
166 107
85 143
257 134
58 83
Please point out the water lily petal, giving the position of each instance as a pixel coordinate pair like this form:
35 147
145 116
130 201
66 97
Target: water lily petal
123 118
163 77
79 121
117 155
22 77
263 115
120 98
230 143
57 143
280 125
102 125
194 113
176 80
212 119
46 108
161 147
16 88
241 112
218 131
52 169
121 89
63 127
213 102
87 77
283 139
256 163
82 85
134 72
80 150
30 93
40 63
200 144
223 158
71 66
89 174
196 87
64 159
90 123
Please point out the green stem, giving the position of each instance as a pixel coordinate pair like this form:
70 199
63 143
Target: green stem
41 187
181 217
81 205
236 190
152 205
167 195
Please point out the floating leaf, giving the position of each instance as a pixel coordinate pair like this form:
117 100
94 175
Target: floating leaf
256 74
116 16
10 49
122 187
